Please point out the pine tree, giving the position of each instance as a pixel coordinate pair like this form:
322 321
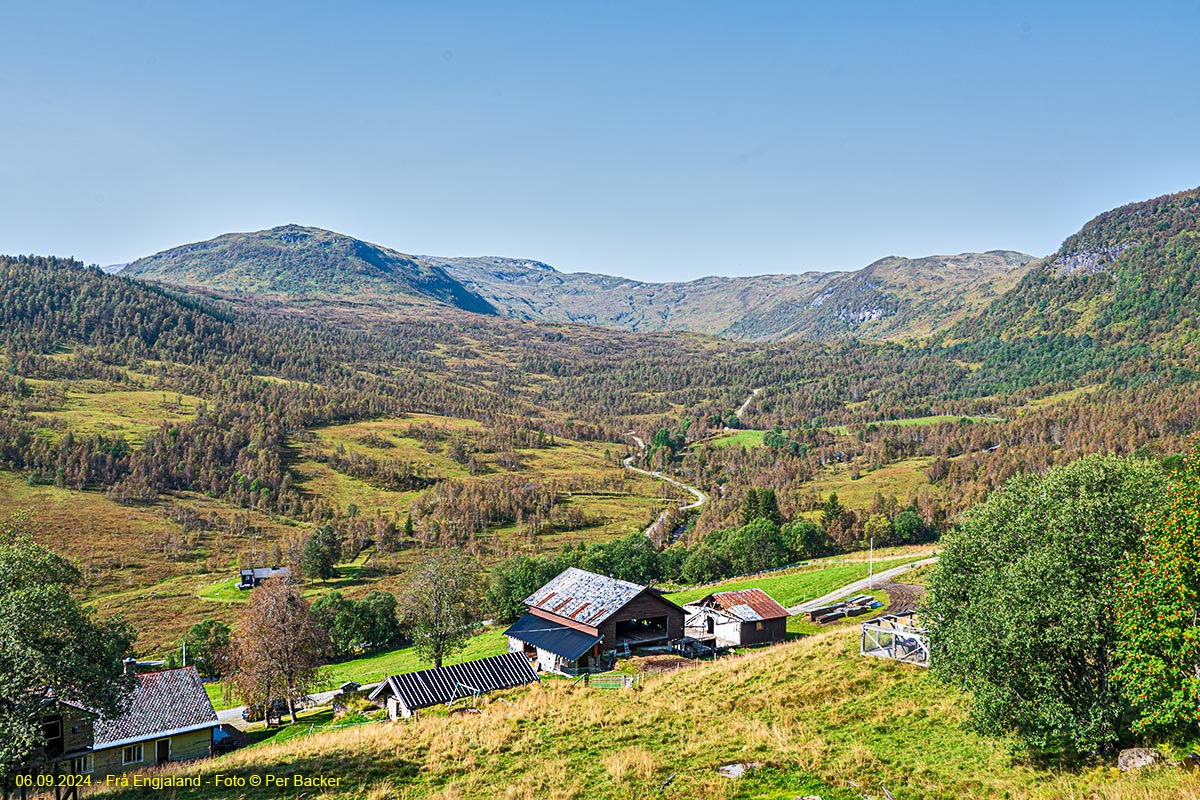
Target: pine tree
832 511
750 507
768 507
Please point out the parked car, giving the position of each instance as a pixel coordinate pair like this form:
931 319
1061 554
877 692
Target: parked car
255 713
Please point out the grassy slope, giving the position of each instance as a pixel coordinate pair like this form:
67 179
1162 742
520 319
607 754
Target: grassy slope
634 506
810 710
901 478
743 438
132 414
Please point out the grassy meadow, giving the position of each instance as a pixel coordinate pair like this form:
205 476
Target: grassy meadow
98 409
790 587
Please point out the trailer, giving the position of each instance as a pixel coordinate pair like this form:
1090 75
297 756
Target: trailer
899 637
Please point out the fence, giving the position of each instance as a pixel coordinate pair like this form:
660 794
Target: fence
610 680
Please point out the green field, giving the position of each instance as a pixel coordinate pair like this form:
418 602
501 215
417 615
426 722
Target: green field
792 587
372 669
132 414
901 478
734 439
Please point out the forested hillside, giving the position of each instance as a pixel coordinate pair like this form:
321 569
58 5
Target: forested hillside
1128 277
218 426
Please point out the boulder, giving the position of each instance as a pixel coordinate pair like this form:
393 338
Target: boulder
737 769
1137 757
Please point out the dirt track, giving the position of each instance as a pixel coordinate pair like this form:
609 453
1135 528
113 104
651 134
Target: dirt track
904 596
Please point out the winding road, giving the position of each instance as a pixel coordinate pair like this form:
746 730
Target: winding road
742 409
701 497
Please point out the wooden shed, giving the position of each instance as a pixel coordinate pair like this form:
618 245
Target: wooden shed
737 618
404 695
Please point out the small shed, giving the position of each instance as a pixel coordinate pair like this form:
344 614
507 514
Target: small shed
736 619
406 694
250 578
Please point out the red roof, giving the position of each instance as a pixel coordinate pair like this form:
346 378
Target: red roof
746 604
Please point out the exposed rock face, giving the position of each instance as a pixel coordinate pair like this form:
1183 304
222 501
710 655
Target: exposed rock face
1087 262
1137 757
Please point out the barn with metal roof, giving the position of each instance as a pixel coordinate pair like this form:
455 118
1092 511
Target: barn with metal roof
736 618
408 693
578 621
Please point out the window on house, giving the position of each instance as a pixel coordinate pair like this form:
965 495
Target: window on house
758 626
52 735
82 765
131 754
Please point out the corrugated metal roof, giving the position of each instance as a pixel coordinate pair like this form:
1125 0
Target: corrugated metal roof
552 637
748 605
161 701
584 596
431 687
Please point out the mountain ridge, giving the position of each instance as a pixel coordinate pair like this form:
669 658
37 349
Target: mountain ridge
303 261
876 301
1126 274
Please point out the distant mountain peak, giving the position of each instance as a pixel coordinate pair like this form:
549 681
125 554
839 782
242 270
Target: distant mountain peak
302 261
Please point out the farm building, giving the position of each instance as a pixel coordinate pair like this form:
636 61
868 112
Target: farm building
578 620
406 694
736 619
168 717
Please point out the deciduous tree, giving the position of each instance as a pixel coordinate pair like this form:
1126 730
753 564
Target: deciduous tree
51 646
278 647
1158 594
1020 608
441 605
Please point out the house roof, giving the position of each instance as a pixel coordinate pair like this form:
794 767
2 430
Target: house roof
748 605
431 687
553 637
262 573
165 702
584 596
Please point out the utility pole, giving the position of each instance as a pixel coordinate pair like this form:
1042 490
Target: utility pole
871 568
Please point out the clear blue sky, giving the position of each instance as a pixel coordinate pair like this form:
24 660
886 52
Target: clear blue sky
656 140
